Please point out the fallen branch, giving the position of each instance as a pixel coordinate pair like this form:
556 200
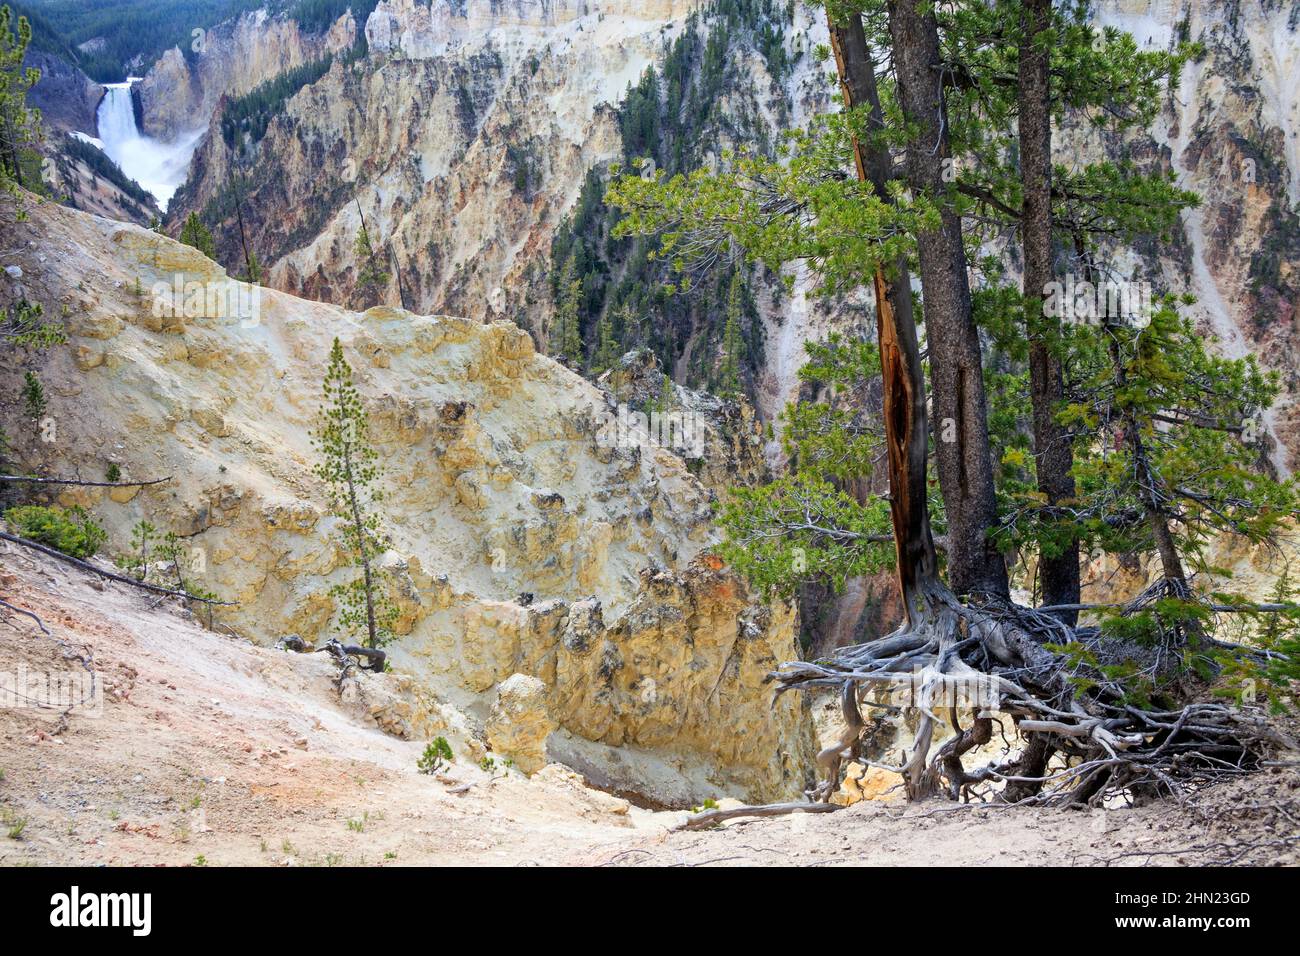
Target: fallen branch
708 818
84 484
69 653
35 617
109 575
341 652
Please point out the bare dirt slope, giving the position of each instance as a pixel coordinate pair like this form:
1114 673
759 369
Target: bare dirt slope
1248 823
214 751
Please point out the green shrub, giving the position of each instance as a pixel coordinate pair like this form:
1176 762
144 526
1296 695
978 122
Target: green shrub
436 756
74 531
34 397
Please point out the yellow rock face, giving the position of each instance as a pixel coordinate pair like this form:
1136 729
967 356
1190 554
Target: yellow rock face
519 545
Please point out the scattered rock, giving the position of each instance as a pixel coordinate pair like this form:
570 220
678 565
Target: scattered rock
292 642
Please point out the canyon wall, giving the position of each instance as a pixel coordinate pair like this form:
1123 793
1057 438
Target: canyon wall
499 481
462 145
66 97
1231 133
463 139
181 92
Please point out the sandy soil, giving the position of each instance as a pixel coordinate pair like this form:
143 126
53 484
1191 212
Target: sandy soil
213 751
1245 823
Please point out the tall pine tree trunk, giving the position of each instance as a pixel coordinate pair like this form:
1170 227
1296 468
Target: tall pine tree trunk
1054 458
975 566
903 385
359 524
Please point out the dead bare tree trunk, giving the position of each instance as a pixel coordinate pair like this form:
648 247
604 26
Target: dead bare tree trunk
397 271
253 276
902 378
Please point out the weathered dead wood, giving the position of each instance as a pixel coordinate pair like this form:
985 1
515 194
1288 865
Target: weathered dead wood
109 575
708 818
32 479
376 659
32 614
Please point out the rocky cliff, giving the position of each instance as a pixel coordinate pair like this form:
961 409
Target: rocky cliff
181 92
1232 134
66 97
525 540
462 140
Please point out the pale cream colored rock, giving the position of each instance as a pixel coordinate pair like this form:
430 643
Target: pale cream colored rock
180 92
655 677
211 421
591 803
88 358
520 722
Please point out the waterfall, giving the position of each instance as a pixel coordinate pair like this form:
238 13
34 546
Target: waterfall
157 166
116 117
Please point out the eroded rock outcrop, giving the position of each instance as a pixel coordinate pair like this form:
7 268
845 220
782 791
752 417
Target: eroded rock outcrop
721 440
520 543
520 722
181 91
463 140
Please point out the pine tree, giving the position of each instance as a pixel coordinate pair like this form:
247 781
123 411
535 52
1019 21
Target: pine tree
23 325
1175 459
1153 418
253 269
566 340
19 125
608 351
195 233
733 344
137 563
34 401
371 275
1068 73
349 467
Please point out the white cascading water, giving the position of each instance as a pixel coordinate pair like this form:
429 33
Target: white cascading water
157 166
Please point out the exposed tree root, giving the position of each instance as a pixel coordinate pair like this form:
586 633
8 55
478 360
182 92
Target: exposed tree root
968 660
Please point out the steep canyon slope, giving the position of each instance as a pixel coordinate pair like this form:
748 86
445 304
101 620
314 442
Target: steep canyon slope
500 482
465 138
